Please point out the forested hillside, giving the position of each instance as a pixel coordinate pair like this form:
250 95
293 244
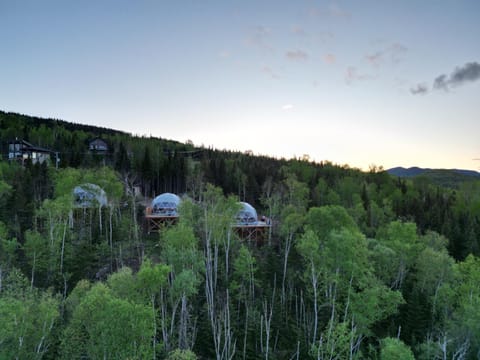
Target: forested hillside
358 265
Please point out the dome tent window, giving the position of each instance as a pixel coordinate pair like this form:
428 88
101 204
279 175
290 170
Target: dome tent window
162 212
166 205
89 195
247 214
248 226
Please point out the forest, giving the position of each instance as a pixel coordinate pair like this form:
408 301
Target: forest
356 265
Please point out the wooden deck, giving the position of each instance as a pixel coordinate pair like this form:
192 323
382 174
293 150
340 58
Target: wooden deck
254 233
157 222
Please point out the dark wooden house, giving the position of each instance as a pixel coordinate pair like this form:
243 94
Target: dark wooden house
21 150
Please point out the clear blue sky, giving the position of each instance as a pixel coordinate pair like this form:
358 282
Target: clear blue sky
390 83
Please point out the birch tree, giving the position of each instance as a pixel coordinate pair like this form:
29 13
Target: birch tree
218 215
180 252
105 326
27 320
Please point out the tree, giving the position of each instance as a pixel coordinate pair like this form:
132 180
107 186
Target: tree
8 248
152 279
402 239
218 213
395 349
182 355
180 252
27 320
36 252
339 272
105 326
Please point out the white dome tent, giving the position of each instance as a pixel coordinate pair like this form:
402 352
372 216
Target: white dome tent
248 226
166 205
162 212
247 215
89 195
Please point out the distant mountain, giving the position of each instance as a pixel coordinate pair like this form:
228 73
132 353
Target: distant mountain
416 171
445 177
406 172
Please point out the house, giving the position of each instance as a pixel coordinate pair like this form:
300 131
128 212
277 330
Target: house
98 145
21 150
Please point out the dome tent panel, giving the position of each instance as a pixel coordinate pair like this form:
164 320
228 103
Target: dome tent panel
89 195
247 215
166 205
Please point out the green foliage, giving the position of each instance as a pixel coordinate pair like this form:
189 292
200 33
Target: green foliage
395 349
8 247
182 355
27 320
151 278
322 220
105 326
352 256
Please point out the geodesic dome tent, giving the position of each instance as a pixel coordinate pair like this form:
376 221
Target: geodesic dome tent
166 205
247 215
89 195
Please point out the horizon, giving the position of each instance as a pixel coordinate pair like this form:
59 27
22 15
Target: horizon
376 166
353 84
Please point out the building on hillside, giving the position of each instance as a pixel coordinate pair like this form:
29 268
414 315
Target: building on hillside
98 145
162 212
21 150
249 227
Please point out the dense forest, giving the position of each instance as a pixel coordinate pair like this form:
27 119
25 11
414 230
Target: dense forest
358 265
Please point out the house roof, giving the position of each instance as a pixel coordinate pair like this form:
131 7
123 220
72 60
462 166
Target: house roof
98 139
31 147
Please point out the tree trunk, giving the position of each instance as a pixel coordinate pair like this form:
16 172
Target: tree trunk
33 271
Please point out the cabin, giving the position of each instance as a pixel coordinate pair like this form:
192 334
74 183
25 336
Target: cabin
249 227
21 150
98 145
162 212
89 196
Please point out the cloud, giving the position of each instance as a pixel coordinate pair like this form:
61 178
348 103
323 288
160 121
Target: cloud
296 55
287 107
440 82
420 89
391 54
469 72
330 59
352 75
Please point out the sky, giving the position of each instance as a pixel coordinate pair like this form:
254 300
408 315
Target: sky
359 82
